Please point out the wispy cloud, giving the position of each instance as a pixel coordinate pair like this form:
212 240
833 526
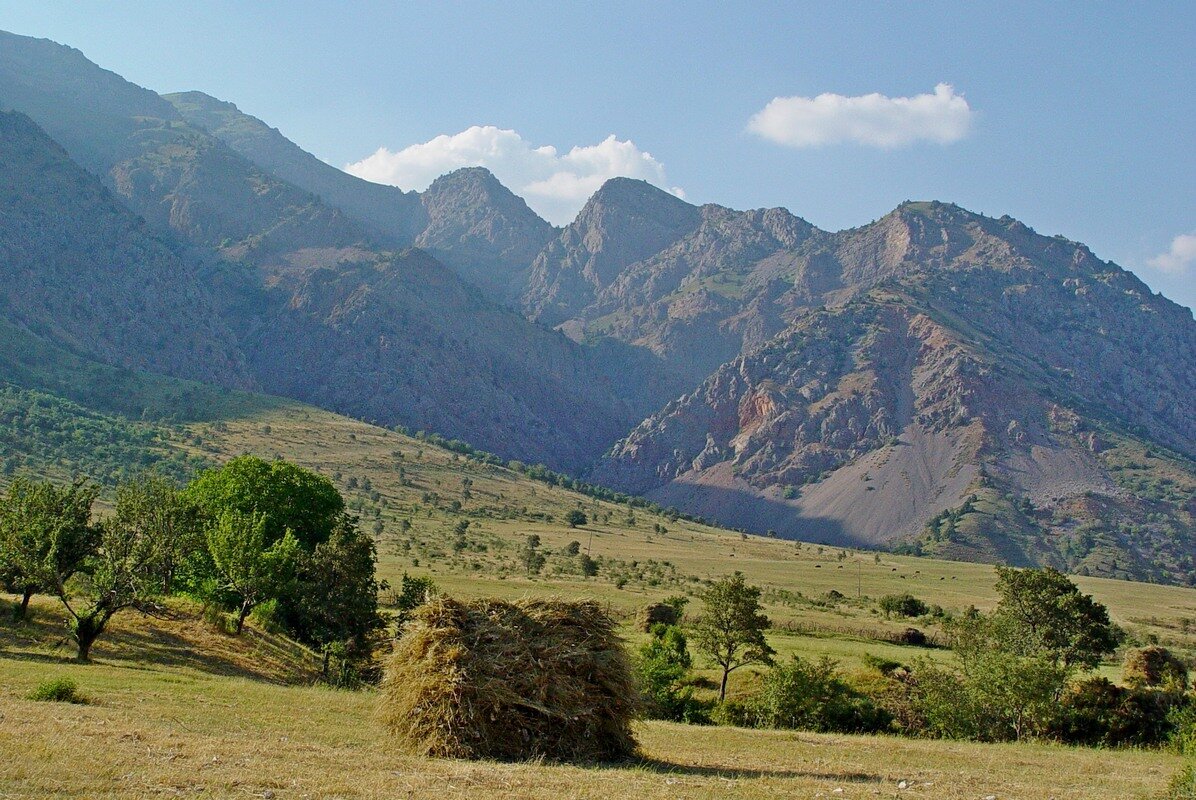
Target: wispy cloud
1180 258
871 119
554 184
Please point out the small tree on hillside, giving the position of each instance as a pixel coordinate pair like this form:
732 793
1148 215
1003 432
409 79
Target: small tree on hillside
533 560
154 506
125 572
247 566
45 536
731 629
575 518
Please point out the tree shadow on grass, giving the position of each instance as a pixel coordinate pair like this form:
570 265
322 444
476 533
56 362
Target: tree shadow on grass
167 641
736 773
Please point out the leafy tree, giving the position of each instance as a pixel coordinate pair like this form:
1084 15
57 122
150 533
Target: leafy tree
1042 611
662 669
533 560
587 565
575 518
902 605
247 564
334 604
154 505
414 591
124 573
731 629
45 536
287 497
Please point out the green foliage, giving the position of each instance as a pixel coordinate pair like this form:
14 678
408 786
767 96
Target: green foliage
1155 667
155 506
1098 713
334 599
530 556
248 565
812 695
46 536
575 518
1042 611
413 592
662 672
730 631
288 498
902 605
46 434
995 692
58 690
125 572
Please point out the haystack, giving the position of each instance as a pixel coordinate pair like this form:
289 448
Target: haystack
657 614
511 681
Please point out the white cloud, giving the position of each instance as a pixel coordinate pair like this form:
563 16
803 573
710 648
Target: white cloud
555 185
1179 258
870 119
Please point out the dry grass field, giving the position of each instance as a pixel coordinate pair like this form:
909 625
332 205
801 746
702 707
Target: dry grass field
179 710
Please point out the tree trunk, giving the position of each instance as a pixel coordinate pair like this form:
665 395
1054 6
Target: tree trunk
722 689
87 630
242 614
23 609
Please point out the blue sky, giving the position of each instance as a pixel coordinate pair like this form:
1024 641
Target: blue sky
1078 118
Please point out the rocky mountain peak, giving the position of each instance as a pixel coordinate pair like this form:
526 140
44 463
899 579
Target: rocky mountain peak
482 229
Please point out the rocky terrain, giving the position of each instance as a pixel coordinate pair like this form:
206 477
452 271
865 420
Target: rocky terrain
936 380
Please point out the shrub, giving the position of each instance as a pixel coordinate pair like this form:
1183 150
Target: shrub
902 605
812 695
58 690
912 636
1099 713
663 673
1155 667
655 614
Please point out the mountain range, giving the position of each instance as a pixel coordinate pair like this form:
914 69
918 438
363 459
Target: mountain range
935 381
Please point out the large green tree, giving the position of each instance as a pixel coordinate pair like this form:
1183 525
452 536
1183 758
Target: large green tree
288 497
46 535
730 631
1041 611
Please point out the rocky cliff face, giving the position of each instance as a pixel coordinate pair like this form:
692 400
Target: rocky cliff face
624 222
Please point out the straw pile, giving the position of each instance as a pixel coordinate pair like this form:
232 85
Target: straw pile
511 681
657 614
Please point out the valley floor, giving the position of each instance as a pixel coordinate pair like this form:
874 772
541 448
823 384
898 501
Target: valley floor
171 716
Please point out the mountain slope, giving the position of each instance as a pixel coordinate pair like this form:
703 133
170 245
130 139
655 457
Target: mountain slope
899 419
626 220
390 214
79 269
315 305
466 219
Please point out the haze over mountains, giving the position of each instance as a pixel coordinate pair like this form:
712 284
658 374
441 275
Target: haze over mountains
936 380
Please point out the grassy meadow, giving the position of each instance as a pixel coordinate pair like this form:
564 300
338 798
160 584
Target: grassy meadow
180 709
177 709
